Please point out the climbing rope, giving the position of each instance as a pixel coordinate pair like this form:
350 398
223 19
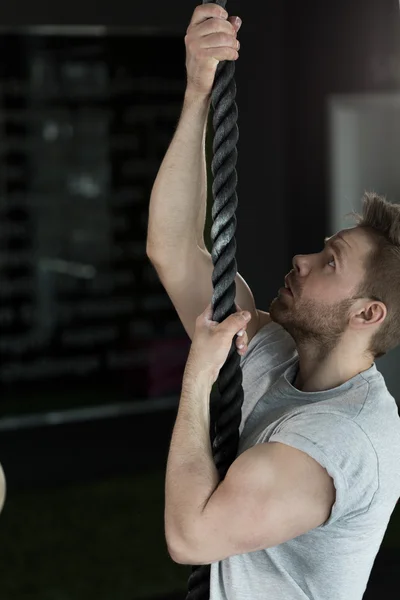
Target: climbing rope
227 396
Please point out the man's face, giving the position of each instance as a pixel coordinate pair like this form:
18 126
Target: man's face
323 286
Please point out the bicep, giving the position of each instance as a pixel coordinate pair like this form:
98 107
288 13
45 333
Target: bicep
271 494
188 283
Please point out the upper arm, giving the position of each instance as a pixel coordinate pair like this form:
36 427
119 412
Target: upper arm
271 494
188 282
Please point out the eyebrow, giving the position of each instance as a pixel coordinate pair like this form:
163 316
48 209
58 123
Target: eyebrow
337 247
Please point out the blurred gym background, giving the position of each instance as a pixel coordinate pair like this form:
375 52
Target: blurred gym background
91 349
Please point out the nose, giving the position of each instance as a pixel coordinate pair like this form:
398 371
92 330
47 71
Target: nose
300 263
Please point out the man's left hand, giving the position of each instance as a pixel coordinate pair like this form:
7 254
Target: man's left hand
212 342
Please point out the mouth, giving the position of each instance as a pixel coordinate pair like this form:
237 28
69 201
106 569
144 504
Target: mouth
287 287
286 292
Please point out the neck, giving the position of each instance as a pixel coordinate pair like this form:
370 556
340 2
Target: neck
317 374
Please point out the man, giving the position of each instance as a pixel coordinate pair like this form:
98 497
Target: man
304 508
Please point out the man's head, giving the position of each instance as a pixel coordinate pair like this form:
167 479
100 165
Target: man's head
349 292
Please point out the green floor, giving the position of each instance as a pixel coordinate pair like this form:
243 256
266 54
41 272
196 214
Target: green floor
101 541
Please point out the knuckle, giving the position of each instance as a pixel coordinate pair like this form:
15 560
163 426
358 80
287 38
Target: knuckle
226 39
206 9
217 9
227 27
218 25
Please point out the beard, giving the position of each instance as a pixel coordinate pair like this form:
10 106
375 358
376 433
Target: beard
313 323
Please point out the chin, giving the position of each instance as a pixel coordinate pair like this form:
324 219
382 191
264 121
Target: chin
279 308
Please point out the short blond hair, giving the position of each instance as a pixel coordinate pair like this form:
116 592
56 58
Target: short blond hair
381 219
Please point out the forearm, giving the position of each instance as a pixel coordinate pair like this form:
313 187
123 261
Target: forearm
179 196
191 476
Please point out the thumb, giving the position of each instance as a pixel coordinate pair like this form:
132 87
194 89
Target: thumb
246 315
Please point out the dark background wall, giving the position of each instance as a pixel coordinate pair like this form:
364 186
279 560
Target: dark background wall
331 48
293 56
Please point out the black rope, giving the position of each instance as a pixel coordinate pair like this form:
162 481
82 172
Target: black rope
227 396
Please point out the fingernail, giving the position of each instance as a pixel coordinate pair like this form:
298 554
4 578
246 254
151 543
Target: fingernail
246 315
241 332
238 23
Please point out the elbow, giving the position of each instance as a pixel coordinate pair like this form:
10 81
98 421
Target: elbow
155 260
176 556
149 253
178 547
150 246
180 542
172 535
184 558
178 552
153 251
186 554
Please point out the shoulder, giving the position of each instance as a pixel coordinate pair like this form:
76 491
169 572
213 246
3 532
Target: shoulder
264 318
259 320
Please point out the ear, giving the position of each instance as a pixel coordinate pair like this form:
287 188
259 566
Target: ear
372 312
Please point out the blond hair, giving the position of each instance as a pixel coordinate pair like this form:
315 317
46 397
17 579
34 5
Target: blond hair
381 219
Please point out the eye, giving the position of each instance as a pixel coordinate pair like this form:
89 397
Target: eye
333 260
